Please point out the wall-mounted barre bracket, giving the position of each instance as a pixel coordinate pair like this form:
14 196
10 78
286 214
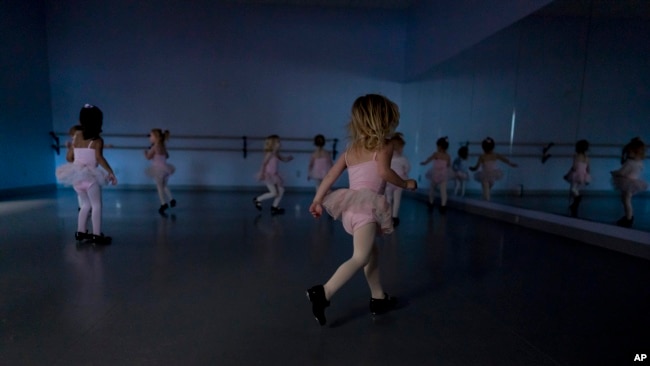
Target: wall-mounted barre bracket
245 146
57 143
545 154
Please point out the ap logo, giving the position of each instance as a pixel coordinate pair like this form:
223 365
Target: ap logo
640 357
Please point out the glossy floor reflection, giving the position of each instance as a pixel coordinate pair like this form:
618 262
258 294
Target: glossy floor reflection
603 208
216 283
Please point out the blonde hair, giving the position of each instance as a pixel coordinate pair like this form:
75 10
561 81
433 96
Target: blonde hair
374 118
270 142
161 136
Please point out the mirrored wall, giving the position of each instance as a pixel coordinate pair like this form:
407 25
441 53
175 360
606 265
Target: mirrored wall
573 70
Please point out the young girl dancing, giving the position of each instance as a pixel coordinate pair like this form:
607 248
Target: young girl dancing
628 180
578 176
489 173
439 173
362 207
320 162
269 175
84 153
461 171
160 170
401 166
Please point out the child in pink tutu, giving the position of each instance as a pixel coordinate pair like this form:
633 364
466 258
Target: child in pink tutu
159 169
628 180
85 153
439 173
460 171
578 176
489 172
320 162
401 166
363 207
269 175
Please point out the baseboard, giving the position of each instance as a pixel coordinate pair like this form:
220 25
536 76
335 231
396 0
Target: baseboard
25 191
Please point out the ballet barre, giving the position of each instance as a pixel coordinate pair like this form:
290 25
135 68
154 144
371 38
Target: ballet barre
244 140
549 149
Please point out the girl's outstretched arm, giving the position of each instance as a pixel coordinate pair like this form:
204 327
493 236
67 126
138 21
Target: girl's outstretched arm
384 157
285 158
150 153
428 159
505 160
478 164
315 208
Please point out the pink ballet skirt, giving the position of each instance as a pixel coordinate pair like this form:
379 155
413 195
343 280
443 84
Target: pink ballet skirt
159 168
439 172
630 185
627 179
578 174
489 173
270 175
360 201
461 175
84 169
320 168
71 174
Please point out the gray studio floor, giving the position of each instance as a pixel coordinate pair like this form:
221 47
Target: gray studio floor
216 283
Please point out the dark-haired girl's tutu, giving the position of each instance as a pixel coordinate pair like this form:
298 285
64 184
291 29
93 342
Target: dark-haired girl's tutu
488 176
70 174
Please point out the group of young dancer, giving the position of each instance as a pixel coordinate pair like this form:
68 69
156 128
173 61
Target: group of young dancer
377 170
85 152
627 179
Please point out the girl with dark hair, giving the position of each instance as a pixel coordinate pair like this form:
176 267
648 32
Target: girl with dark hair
489 172
320 162
439 173
578 176
84 155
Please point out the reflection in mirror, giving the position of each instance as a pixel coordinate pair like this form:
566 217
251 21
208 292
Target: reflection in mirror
574 70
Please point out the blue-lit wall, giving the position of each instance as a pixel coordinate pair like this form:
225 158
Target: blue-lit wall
440 29
554 79
25 115
204 68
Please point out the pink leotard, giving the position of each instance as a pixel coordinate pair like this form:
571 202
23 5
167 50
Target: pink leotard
363 202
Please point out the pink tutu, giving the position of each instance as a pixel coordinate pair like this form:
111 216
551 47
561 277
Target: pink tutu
160 171
70 174
363 201
437 176
461 175
488 176
269 178
629 185
320 168
578 177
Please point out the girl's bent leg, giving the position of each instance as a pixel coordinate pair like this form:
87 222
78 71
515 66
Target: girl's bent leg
443 193
278 197
486 190
627 205
371 270
270 194
363 242
397 200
